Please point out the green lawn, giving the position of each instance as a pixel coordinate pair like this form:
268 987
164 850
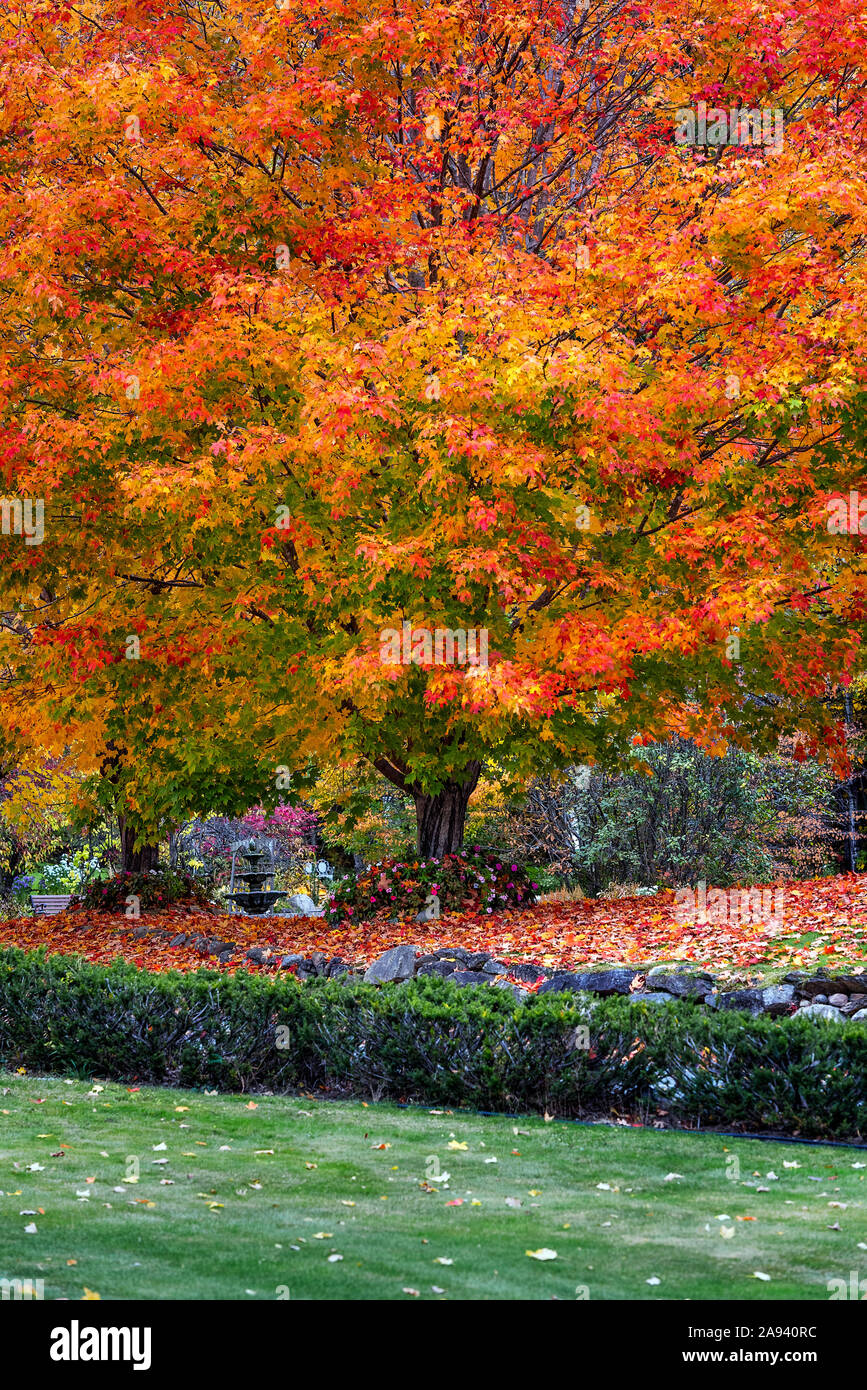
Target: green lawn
213 1216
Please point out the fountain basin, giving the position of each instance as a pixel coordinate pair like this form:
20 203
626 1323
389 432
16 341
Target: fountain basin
255 904
255 882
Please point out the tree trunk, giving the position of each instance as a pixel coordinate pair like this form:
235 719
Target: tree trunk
440 819
135 860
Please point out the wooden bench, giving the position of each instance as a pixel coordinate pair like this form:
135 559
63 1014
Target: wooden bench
49 904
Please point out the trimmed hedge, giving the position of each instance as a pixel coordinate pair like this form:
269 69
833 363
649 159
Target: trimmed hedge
429 1041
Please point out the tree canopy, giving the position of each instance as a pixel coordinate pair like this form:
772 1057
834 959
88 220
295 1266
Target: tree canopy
322 320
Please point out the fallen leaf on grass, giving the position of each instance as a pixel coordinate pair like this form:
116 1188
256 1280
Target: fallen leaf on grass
543 1254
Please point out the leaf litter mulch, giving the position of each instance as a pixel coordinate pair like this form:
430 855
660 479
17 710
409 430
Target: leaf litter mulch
800 925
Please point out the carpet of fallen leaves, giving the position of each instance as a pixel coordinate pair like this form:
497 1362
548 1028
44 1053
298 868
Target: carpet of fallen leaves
821 922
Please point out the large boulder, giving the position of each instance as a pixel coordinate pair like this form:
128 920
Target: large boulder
396 964
469 977
519 970
495 967
749 1000
855 1005
517 993
683 984
811 985
821 1011
614 981
288 961
302 905
565 981
437 967
778 999
477 960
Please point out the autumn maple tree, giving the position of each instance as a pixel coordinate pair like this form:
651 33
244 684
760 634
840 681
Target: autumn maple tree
320 320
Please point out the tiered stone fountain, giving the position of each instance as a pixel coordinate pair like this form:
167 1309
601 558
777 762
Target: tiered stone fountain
257 901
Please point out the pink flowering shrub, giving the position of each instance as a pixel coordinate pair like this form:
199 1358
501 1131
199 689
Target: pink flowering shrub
475 879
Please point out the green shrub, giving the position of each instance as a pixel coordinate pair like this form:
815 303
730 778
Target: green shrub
158 888
433 1042
738 818
487 878
68 875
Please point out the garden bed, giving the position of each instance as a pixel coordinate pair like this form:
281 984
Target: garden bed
818 922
